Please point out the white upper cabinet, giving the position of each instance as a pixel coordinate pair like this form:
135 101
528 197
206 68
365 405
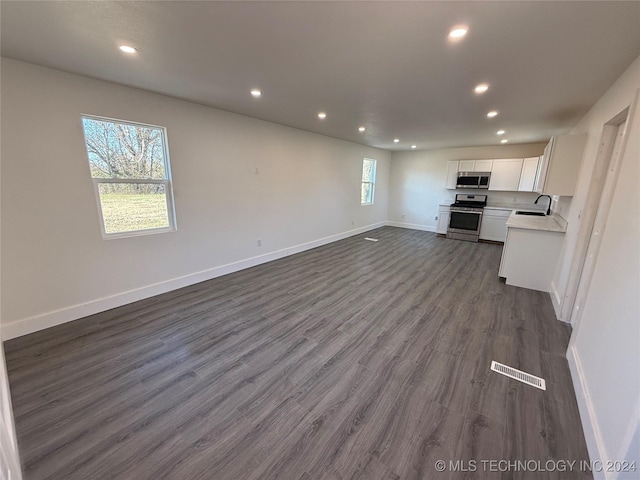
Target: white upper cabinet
505 174
554 173
558 172
474 165
455 166
483 165
466 165
452 174
529 173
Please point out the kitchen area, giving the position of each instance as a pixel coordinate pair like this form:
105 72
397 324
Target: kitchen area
531 232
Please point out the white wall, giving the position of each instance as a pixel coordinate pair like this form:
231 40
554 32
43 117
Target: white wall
613 102
604 351
56 266
418 179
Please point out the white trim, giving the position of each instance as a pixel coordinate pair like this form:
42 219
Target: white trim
556 300
137 233
372 182
604 177
629 435
74 312
166 181
101 118
413 226
9 450
133 181
592 435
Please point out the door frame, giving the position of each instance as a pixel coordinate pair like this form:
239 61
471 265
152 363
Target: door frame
595 214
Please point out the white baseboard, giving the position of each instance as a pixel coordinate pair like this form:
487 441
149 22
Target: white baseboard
413 226
592 435
74 312
556 300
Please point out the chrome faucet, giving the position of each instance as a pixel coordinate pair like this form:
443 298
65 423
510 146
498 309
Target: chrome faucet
549 208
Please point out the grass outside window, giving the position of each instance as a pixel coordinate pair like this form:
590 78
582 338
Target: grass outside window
129 165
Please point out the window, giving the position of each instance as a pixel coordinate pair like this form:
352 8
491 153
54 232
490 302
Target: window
368 181
129 165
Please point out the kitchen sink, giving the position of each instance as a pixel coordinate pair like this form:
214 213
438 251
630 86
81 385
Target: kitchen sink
535 214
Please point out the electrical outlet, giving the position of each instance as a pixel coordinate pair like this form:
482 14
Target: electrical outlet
402 216
259 242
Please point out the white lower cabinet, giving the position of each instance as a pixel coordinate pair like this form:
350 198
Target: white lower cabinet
494 224
529 258
443 219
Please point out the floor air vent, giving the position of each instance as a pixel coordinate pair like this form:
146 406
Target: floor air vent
371 239
519 375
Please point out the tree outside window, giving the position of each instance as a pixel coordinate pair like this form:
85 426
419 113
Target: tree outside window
368 181
130 170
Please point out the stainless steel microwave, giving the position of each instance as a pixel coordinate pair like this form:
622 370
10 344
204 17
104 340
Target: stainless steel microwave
473 180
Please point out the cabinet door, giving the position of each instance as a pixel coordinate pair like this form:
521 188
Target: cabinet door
522 269
467 165
483 166
541 176
505 174
528 175
494 228
561 164
452 174
443 221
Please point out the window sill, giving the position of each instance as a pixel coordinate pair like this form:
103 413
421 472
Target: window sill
137 233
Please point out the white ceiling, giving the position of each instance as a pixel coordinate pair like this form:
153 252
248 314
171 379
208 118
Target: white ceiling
386 65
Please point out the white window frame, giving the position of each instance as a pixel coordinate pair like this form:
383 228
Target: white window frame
167 182
373 183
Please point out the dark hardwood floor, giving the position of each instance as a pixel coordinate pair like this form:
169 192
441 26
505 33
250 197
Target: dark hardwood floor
356 360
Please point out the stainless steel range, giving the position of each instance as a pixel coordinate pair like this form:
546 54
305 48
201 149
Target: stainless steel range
465 217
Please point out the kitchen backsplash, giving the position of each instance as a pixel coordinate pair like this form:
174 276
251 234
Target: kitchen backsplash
498 197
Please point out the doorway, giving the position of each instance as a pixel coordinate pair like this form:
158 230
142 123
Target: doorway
601 188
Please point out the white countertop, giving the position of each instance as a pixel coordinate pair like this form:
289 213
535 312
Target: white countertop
549 223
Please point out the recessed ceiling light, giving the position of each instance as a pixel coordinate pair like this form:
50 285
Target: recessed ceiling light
361 129
255 93
127 49
322 115
492 114
458 32
500 132
483 87
504 140
396 140
414 146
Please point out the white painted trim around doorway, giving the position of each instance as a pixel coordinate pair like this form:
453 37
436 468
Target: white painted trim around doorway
595 213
